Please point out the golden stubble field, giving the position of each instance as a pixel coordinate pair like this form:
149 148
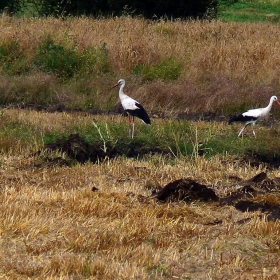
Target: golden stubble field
53 226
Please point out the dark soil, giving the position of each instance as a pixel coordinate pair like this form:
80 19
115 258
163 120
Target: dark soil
76 148
257 194
117 110
187 190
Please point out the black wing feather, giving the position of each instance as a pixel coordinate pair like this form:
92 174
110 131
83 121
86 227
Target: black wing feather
242 118
140 113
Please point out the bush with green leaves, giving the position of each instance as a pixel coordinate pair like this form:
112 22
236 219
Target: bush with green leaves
12 60
94 61
54 58
166 69
66 63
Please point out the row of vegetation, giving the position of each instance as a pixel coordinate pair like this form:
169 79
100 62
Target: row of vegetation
171 67
30 131
152 9
226 10
66 63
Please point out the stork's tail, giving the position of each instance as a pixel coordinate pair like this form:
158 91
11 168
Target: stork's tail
235 119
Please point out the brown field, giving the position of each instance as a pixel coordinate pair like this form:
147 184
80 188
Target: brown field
53 226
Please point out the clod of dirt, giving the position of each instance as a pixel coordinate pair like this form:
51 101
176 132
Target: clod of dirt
259 193
77 148
187 190
259 184
257 158
272 211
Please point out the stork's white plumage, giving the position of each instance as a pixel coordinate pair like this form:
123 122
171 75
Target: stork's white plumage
132 107
254 115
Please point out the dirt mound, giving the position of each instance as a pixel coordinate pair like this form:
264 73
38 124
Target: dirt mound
255 158
187 190
257 194
76 148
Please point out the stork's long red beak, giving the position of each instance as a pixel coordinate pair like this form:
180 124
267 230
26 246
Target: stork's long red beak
277 102
117 84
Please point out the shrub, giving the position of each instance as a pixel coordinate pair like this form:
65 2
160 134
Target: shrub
168 69
66 63
148 9
94 61
55 58
13 61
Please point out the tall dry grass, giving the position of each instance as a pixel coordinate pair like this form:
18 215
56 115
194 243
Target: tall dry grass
223 63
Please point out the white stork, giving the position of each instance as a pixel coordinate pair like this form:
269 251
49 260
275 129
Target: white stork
253 115
132 107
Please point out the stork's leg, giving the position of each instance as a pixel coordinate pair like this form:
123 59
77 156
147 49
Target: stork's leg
241 131
253 126
132 130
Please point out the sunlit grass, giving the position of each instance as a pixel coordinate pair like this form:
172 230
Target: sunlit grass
57 227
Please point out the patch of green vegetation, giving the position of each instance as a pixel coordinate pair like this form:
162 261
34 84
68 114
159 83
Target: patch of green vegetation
176 139
94 61
57 59
172 139
52 137
16 136
168 69
67 63
157 269
250 11
12 60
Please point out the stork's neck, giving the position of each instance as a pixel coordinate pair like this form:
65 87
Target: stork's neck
268 107
122 95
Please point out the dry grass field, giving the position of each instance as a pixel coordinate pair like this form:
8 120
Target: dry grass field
53 226
99 221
